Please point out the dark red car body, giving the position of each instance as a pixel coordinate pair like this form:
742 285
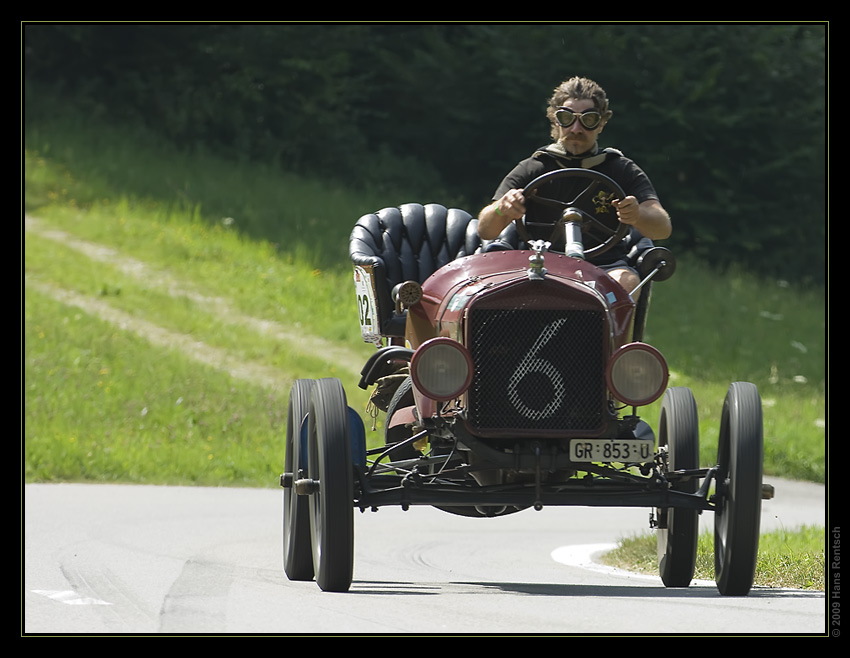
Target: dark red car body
511 377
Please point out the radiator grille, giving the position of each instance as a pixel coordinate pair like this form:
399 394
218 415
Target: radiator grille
537 370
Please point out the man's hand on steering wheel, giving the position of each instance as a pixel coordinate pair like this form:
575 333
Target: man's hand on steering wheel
628 210
511 206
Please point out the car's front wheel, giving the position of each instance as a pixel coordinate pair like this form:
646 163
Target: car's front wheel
330 468
402 398
678 528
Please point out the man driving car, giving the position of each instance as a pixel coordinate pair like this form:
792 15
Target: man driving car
578 112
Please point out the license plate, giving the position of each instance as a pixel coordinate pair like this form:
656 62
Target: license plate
612 450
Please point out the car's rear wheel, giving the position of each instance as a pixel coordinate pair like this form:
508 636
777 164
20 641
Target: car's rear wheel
678 528
297 547
331 502
737 517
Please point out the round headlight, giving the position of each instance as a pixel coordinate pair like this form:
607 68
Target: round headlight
441 369
637 374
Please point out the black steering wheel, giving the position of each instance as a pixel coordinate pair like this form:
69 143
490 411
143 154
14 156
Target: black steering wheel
591 206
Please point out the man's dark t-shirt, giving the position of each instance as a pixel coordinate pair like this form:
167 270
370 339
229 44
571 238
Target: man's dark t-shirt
610 162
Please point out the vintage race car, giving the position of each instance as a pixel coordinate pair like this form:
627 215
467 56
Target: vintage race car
511 373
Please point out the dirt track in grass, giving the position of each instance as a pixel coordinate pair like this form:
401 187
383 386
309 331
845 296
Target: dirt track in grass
97 306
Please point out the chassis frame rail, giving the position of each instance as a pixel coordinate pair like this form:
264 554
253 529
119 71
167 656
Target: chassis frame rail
651 492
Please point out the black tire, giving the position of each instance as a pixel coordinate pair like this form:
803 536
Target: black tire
332 503
403 397
297 545
737 518
678 530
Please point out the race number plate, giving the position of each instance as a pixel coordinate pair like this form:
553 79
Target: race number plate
612 450
367 306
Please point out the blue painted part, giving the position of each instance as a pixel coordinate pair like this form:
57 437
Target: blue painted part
358 438
357 431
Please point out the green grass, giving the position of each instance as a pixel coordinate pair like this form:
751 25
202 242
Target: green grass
717 329
102 404
787 558
170 299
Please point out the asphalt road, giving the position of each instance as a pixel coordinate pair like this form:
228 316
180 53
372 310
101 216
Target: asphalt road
104 559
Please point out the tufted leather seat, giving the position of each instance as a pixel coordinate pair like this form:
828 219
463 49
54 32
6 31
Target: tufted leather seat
412 242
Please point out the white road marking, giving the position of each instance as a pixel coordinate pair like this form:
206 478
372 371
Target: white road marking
69 597
582 556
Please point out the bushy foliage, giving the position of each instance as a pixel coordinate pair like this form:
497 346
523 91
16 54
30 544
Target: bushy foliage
729 120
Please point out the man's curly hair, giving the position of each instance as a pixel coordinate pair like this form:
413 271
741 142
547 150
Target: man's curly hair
577 89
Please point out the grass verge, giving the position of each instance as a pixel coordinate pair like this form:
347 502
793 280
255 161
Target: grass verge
792 559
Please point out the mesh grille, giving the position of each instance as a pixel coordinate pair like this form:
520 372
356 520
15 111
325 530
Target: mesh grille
537 370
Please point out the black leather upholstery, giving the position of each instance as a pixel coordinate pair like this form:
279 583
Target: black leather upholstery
413 241
407 243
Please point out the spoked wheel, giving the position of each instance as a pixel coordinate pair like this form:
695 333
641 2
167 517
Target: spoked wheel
330 468
739 483
297 547
678 529
402 398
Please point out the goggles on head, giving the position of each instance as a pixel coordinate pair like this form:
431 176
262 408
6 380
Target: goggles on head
566 117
